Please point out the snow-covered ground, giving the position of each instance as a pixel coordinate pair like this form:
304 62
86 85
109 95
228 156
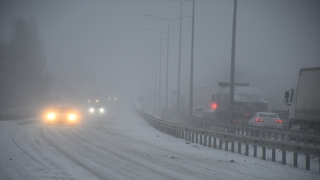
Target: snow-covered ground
121 147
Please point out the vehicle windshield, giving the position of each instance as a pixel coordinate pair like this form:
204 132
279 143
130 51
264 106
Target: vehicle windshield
62 109
268 115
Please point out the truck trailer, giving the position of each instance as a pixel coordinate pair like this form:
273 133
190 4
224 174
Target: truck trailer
247 101
304 101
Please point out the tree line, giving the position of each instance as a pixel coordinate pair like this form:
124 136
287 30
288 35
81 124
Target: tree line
24 78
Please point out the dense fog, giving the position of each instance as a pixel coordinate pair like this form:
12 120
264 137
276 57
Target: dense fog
106 47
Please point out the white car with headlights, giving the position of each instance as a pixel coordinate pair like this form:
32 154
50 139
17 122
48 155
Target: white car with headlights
266 119
96 110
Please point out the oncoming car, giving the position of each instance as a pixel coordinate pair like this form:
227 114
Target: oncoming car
95 107
266 119
61 115
96 110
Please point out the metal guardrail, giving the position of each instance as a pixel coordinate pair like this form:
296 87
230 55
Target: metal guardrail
205 137
275 134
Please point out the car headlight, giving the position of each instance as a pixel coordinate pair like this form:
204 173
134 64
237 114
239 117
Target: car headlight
91 110
72 117
101 110
51 116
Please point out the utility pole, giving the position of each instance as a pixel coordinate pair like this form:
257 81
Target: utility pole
179 64
231 114
191 66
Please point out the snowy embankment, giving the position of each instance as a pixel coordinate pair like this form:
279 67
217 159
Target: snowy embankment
121 147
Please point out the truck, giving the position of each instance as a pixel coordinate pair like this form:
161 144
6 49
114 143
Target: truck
304 101
247 101
201 96
201 99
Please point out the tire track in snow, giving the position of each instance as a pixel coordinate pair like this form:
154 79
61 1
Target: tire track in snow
72 159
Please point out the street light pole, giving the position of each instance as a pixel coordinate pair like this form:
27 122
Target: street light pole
179 63
167 68
149 76
155 84
178 89
231 114
191 66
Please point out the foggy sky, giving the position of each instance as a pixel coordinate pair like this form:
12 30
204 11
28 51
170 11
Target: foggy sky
96 46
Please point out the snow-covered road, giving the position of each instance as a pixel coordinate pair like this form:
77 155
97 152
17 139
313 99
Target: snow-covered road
121 147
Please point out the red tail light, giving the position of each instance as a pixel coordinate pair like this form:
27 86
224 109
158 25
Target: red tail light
278 121
258 120
214 105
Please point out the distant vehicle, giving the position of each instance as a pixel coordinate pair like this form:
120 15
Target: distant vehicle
197 111
61 115
208 113
96 107
247 101
304 101
266 119
201 96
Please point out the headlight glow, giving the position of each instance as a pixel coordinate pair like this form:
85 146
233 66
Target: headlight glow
72 117
91 110
51 116
101 110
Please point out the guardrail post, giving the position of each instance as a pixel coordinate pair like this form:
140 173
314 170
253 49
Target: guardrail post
192 137
201 139
239 147
284 157
182 134
263 153
273 155
220 143
247 149
232 146
254 151
215 142
307 162
205 140
210 142
185 135
226 145
295 159
196 138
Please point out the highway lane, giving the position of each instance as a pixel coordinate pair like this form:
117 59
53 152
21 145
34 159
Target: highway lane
123 146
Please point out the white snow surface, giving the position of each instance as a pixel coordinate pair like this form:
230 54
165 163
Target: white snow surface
121 147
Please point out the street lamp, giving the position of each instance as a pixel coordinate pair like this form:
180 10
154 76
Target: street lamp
167 68
231 114
160 76
191 66
149 77
155 77
178 89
